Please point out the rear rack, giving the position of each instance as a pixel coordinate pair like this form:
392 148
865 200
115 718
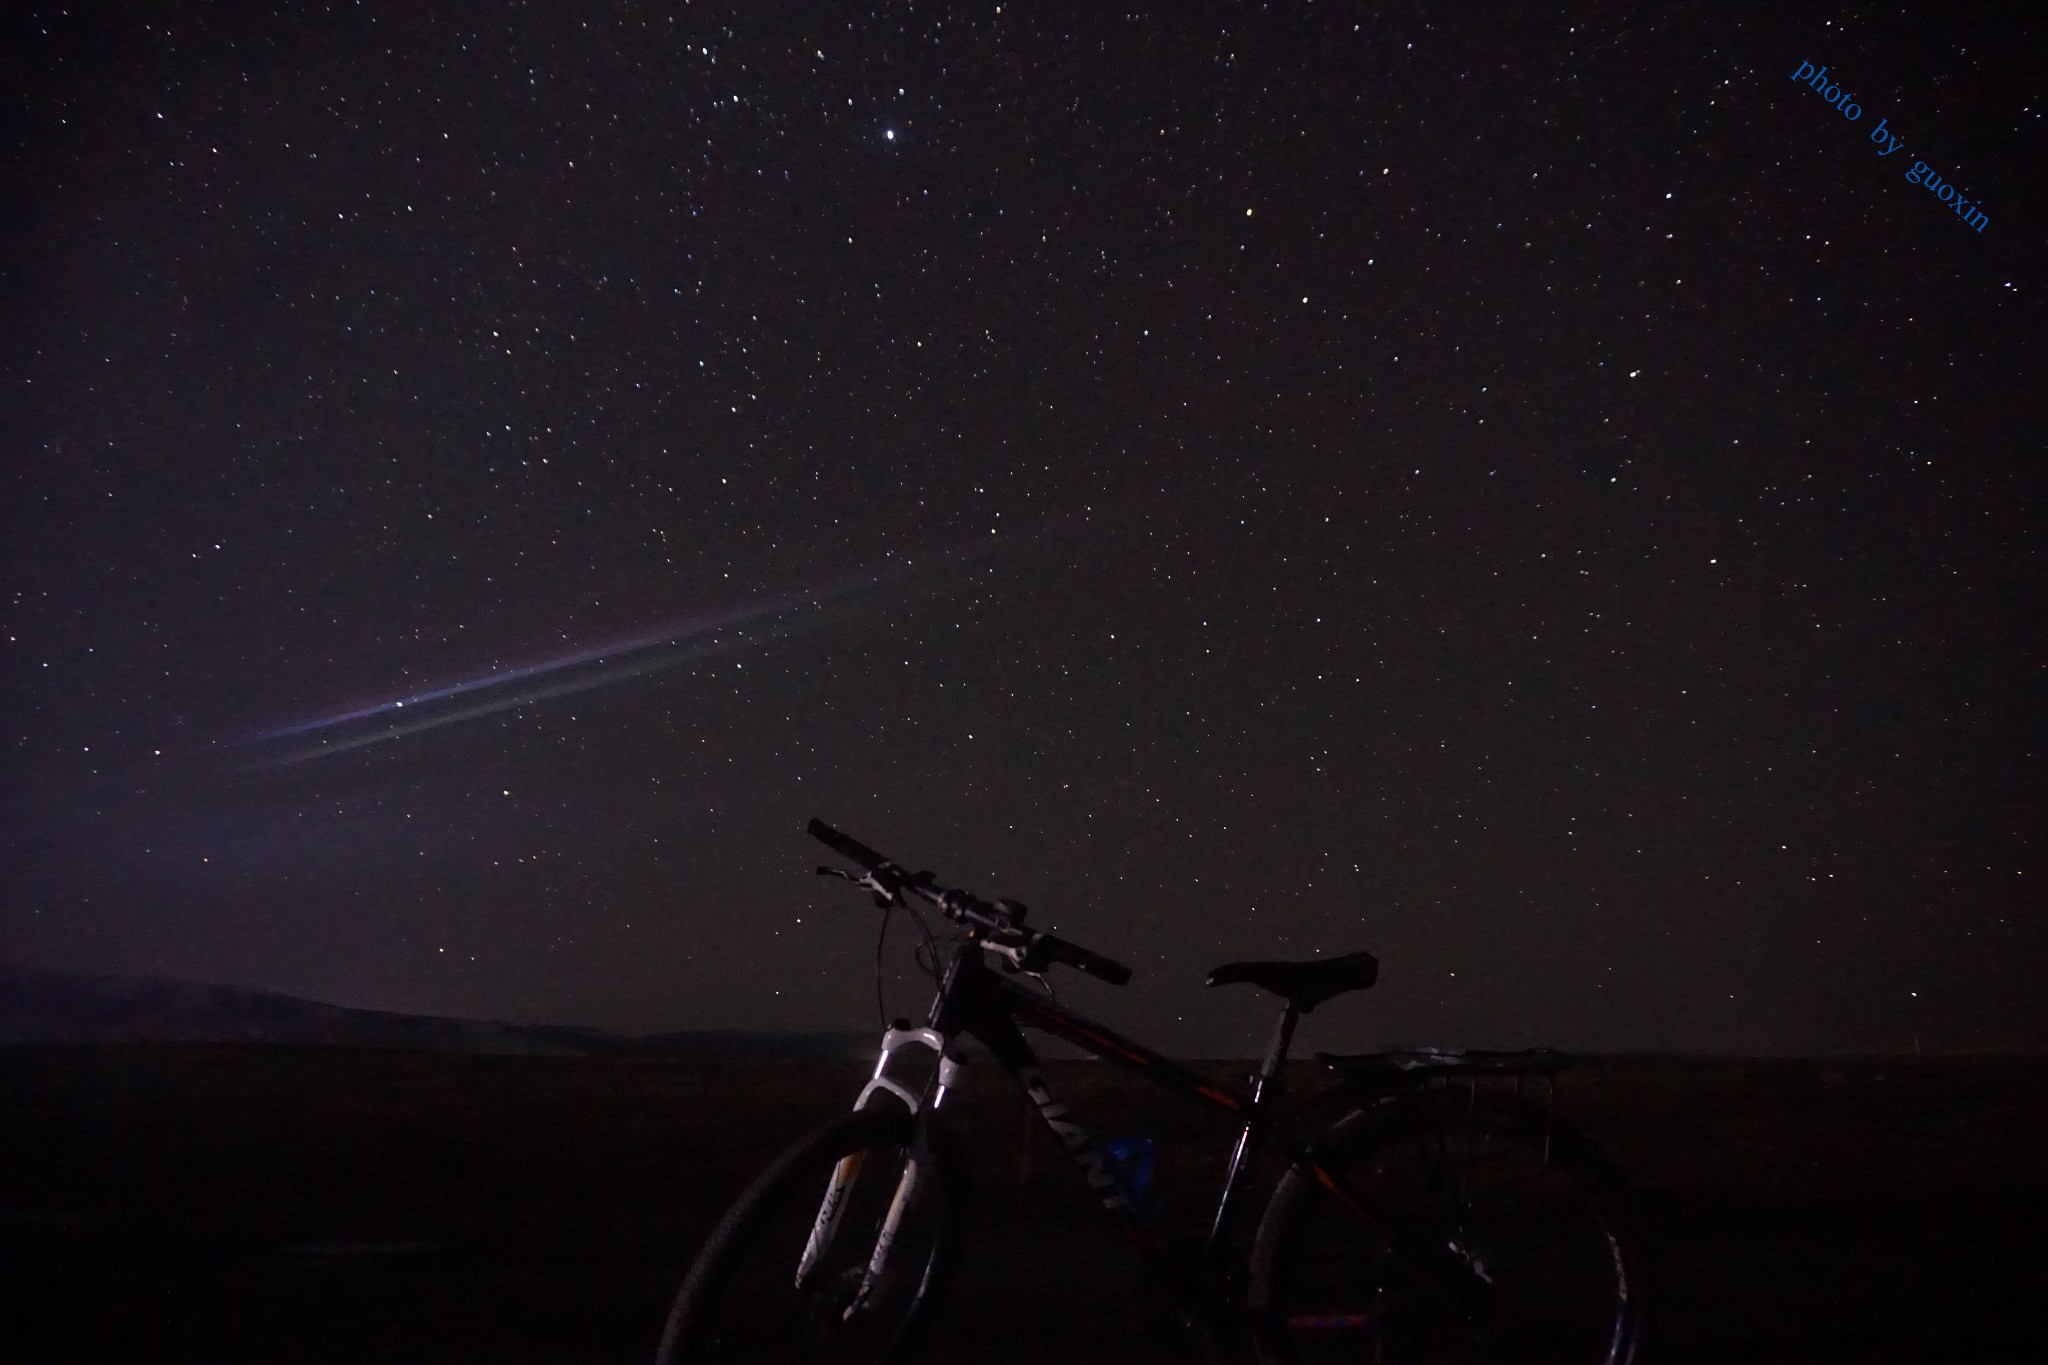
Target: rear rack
1435 1068
1445 1061
1458 1071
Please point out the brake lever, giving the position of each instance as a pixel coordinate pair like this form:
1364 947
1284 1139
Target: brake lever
1013 945
886 897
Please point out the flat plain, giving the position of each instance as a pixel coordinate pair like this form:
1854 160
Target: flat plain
247 1203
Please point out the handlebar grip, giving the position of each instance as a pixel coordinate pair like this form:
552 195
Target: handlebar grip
845 845
1074 955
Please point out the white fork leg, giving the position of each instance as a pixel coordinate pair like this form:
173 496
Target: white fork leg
827 1221
906 1187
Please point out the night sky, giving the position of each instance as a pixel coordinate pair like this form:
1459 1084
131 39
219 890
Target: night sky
1532 494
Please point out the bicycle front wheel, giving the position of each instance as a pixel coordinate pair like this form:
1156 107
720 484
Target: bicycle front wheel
1494 1236
835 1254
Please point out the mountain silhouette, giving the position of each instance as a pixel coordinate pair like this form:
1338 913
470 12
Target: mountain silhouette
46 1006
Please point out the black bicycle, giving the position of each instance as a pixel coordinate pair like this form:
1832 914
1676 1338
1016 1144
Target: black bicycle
1436 1217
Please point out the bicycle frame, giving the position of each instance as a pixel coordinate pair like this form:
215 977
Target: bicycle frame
1396 1259
975 1000
987 1005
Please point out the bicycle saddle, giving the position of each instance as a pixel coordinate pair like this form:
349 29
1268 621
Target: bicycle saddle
1304 985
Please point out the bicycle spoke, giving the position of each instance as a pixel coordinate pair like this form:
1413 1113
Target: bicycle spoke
1481 1191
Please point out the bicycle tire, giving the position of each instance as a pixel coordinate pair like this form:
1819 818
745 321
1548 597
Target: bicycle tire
1493 1181
742 1302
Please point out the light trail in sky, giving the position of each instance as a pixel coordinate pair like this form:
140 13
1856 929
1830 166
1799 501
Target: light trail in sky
669 646
672 633
654 662
611 649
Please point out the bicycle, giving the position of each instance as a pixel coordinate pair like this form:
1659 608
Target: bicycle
1432 1219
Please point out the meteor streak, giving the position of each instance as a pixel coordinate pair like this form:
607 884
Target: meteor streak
676 632
670 646
523 696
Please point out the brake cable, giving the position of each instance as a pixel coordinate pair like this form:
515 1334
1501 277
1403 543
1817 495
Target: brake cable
881 937
926 955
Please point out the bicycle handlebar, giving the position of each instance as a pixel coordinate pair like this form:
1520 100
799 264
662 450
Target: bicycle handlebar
848 846
997 927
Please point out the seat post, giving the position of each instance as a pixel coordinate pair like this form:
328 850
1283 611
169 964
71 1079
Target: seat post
1240 1156
1276 1050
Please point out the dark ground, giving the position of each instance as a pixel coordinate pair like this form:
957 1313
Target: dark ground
228 1203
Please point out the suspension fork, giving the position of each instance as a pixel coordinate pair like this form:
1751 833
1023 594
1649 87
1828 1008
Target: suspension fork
838 1190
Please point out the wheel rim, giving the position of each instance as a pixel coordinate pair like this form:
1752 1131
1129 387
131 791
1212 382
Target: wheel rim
1493 1196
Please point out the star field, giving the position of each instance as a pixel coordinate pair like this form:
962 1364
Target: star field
1528 497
